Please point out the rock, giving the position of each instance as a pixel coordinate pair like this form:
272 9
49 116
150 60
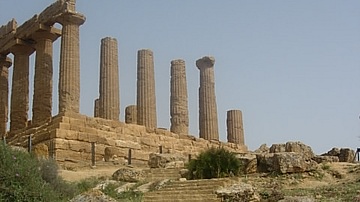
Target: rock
291 162
125 187
249 162
346 155
299 147
265 162
104 184
129 175
275 148
333 152
262 149
145 187
297 199
157 160
93 196
41 150
184 173
325 159
238 192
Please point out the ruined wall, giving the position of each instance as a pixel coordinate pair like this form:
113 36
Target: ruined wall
70 137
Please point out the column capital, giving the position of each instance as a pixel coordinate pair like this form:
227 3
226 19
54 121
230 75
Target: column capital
71 18
205 62
22 49
5 61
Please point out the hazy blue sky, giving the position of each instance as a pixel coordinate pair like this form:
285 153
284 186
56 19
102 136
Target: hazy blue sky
292 67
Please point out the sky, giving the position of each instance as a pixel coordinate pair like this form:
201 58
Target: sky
291 67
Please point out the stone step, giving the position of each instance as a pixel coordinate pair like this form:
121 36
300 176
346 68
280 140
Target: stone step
182 197
182 200
202 187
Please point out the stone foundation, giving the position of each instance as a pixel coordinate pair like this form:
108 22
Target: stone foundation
69 136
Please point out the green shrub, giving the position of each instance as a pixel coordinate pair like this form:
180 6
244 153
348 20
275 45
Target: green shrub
214 163
21 178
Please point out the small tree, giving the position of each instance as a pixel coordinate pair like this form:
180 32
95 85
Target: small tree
214 163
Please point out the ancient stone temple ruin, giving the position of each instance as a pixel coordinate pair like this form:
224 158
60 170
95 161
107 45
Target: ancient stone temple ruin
68 136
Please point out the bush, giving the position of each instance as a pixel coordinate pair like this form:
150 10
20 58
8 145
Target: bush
214 163
20 178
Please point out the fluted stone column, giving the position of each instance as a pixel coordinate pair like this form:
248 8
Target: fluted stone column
69 72
109 103
42 98
235 130
208 120
97 108
131 114
179 98
20 87
146 99
5 63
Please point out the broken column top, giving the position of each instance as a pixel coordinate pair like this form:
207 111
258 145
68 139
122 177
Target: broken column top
108 39
205 62
177 61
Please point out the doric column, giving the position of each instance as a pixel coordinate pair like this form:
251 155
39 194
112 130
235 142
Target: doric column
5 63
109 103
131 114
235 130
208 120
69 72
179 98
20 87
96 108
146 99
42 98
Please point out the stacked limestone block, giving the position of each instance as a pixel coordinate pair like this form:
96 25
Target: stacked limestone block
131 114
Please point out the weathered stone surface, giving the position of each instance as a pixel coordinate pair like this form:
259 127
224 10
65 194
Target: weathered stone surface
5 63
299 147
157 160
20 88
291 162
249 162
208 119
235 130
131 114
129 175
238 192
69 70
179 98
146 99
93 195
262 149
346 155
265 162
276 148
109 99
113 154
42 98
41 150
333 152
325 159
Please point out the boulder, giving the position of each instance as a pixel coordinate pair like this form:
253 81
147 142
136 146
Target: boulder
346 155
248 162
113 154
265 162
299 147
325 159
262 149
275 148
93 196
157 160
41 150
291 162
333 152
238 192
129 175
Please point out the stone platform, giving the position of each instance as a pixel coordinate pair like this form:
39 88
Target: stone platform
68 139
